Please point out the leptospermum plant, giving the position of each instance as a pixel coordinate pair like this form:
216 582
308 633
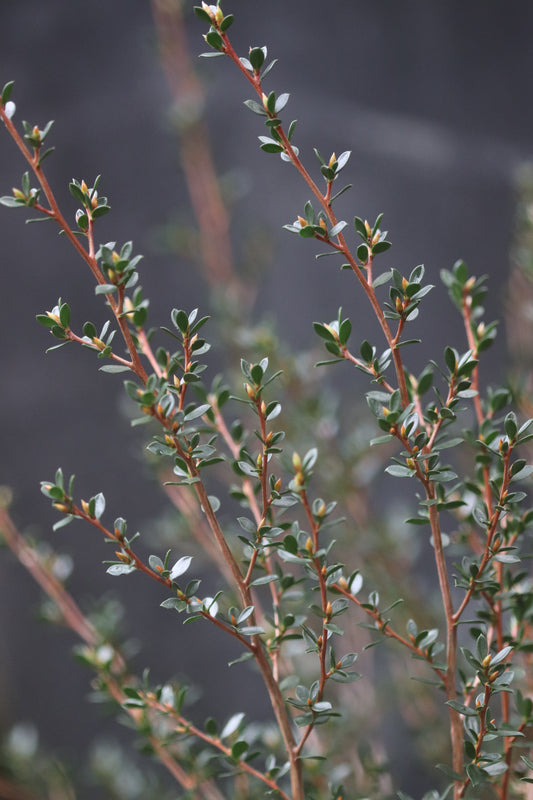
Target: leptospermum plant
285 595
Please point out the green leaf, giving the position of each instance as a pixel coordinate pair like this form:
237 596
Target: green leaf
239 749
256 107
62 522
380 247
269 67
232 725
246 656
105 288
510 424
199 411
338 228
450 358
323 332
345 329
465 711
6 92
115 368
11 202
121 569
226 22
264 579
174 603
383 278
363 253
203 15
214 39
400 471
281 102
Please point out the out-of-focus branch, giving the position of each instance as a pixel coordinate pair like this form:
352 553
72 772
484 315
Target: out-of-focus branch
211 214
74 619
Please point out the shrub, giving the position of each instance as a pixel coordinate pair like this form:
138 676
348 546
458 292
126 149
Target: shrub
288 590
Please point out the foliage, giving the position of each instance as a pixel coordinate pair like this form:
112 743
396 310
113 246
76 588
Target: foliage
287 587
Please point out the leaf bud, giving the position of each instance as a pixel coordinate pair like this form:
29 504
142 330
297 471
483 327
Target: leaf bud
277 485
296 462
259 462
249 391
61 507
329 610
332 160
169 440
486 661
322 224
405 283
299 480
321 510
302 221
410 463
398 304
84 188
263 408
264 98
342 582
18 194
503 446
98 342
309 545
122 557
85 507
368 229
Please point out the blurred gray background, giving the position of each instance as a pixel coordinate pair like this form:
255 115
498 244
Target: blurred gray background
433 99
